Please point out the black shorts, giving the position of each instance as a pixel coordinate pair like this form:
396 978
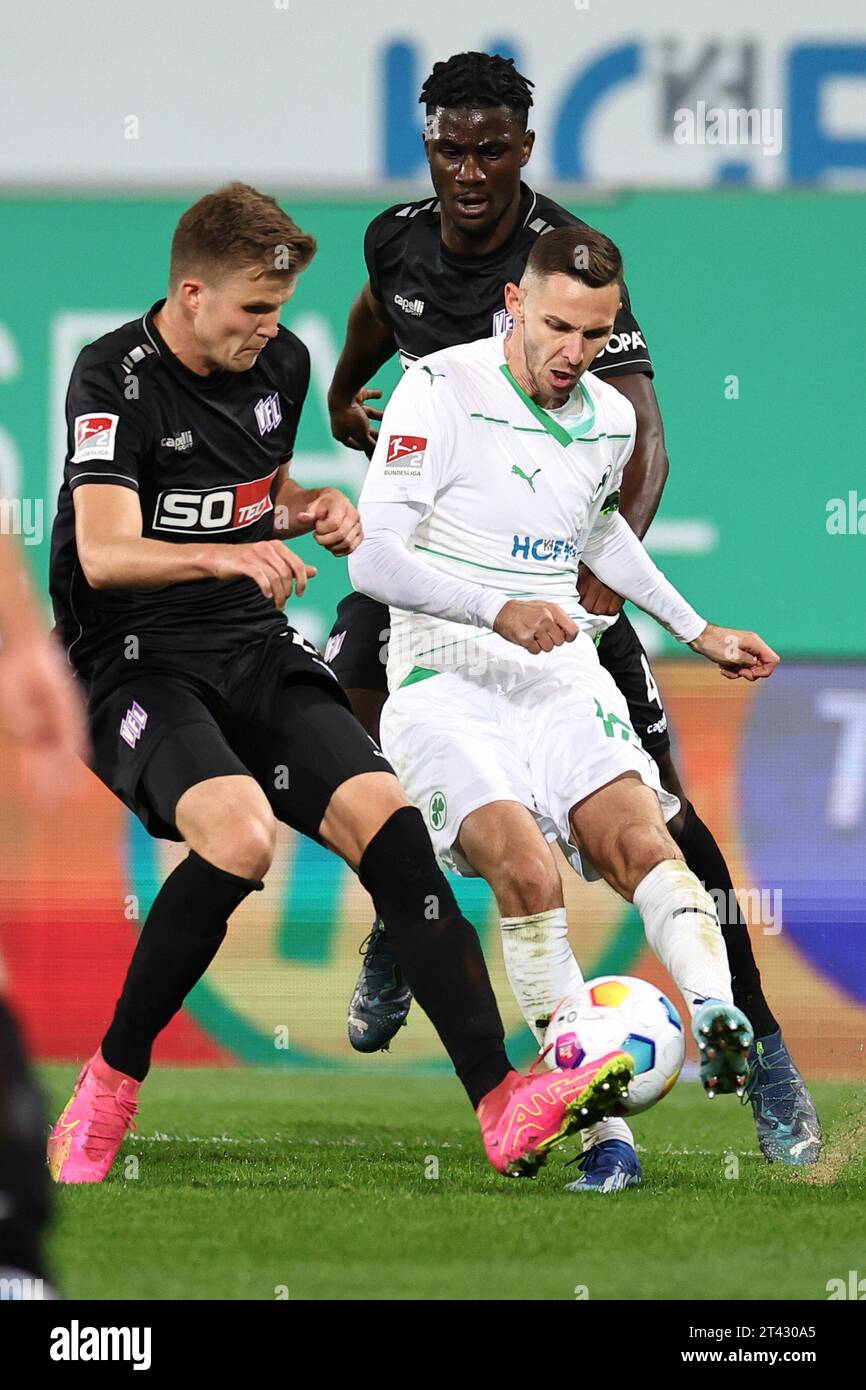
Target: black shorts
621 652
358 651
271 710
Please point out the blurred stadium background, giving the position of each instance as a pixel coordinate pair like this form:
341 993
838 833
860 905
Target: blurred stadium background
745 268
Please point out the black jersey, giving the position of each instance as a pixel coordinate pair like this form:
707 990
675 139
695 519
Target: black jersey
203 454
436 299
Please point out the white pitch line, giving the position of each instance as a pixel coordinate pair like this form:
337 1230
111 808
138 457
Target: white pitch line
344 1142
349 1143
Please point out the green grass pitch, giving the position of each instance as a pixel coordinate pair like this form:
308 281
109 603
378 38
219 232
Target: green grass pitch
260 1185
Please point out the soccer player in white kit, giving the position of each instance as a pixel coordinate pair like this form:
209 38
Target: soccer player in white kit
496 472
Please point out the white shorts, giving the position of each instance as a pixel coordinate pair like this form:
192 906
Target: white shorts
545 731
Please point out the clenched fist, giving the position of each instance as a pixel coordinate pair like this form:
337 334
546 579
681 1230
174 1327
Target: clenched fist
534 625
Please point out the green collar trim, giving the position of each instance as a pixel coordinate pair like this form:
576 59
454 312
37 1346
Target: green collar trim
560 433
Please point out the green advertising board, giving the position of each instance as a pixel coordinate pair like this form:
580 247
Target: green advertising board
749 304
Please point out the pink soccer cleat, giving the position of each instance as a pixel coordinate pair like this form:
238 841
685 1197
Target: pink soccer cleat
525 1116
83 1144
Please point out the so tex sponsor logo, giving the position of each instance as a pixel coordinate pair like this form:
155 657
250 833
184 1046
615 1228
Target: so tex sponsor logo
207 511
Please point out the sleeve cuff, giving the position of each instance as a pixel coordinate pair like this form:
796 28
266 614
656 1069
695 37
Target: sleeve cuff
692 629
97 475
488 606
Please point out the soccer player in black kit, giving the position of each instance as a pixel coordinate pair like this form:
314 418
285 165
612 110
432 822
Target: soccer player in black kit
210 716
437 271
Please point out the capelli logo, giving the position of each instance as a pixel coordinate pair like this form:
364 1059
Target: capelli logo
179 442
410 306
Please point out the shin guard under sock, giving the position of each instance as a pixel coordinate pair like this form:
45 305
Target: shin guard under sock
682 927
706 861
437 949
540 964
183 932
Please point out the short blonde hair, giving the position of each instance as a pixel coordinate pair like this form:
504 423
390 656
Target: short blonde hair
238 228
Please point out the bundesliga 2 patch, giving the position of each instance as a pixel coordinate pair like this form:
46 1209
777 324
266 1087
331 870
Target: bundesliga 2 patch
405 456
94 437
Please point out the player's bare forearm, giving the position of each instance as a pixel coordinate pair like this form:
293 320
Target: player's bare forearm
114 554
369 345
646 472
643 482
139 563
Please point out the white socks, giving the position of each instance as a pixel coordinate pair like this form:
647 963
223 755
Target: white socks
539 963
682 927
541 970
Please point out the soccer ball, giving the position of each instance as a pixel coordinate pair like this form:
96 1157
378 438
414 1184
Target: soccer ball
621 1013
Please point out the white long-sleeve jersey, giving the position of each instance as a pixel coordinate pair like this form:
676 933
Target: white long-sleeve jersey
476 495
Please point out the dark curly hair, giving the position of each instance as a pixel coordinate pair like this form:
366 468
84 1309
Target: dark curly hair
472 80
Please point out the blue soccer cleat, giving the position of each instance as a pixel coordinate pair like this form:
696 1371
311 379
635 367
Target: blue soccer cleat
382 998
607 1167
789 1130
723 1035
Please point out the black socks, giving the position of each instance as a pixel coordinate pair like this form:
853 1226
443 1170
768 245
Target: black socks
437 949
183 932
707 863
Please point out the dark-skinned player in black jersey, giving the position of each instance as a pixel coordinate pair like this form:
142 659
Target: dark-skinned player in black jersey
210 717
437 272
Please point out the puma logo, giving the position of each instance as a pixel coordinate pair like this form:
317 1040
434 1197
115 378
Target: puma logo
805 1143
515 468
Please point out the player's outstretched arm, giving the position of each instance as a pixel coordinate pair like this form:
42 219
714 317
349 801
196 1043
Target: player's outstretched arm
369 344
617 556
645 474
114 554
643 482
